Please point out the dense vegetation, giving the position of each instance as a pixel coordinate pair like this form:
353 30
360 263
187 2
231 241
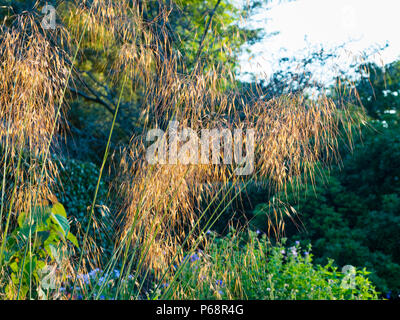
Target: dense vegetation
84 215
351 212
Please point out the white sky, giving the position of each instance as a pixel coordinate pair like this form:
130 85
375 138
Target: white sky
369 23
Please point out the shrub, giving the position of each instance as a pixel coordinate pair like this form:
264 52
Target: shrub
352 215
247 266
46 263
76 186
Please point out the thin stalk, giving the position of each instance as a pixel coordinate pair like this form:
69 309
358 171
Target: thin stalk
10 209
98 182
198 221
207 227
148 245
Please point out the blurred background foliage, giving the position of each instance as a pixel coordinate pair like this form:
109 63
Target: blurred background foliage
351 213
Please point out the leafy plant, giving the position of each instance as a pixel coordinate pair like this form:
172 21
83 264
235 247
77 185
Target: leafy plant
75 188
351 214
36 249
248 266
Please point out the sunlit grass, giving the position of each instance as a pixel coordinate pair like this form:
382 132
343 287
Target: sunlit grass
160 208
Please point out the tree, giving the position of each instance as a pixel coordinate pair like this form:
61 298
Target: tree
379 90
202 34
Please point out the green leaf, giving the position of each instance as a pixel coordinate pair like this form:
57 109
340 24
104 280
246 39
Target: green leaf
21 219
42 236
73 239
62 222
55 253
41 264
28 267
59 209
14 267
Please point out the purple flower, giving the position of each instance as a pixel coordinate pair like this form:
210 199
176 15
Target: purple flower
293 251
258 231
219 282
297 243
116 273
84 277
194 257
101 281
93 273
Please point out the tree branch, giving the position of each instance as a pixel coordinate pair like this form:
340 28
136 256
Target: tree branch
94 99
211 15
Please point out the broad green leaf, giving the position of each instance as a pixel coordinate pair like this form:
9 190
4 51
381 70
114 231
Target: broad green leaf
41 264
73 239
55 253
62 222
59 209
28 267
14 267
21 219
42 236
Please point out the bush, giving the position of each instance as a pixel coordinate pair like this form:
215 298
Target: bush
49 253
249 267
75 188
353 215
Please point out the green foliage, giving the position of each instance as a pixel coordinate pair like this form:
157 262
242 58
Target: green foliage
247 266
76 185
352 214
185 29
31 263
379 89
100 285
222 42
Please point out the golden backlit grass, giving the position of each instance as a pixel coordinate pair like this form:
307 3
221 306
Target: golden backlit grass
158 205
